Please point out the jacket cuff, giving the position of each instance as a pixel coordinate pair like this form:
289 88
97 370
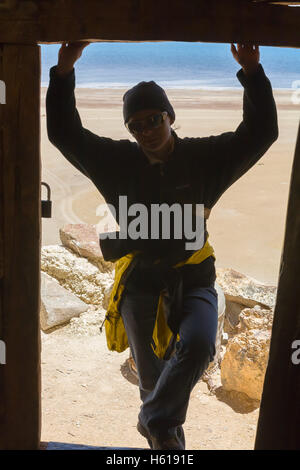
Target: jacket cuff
66 79
257 77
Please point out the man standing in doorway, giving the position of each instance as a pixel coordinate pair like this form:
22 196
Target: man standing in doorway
163 304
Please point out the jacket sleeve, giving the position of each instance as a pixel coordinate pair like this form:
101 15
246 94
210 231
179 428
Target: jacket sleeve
98 158
231 154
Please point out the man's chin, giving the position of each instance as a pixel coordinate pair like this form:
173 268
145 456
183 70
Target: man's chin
152 145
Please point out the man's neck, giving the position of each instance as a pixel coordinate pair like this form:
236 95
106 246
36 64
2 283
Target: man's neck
163 154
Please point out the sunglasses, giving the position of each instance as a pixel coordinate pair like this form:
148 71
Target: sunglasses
151 122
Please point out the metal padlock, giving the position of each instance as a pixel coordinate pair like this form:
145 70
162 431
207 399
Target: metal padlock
47 205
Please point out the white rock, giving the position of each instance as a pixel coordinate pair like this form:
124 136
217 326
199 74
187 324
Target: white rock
244 289
88 323
76 274
58 305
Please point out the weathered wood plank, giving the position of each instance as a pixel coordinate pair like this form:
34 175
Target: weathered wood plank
1 245
278 424
20 232
44 21
67 446
277 2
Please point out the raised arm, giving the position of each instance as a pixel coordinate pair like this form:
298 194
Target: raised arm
98 158
232 154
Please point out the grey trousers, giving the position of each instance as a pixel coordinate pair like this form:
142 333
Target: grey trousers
165 386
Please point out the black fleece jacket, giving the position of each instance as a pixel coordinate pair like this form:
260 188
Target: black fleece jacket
199 170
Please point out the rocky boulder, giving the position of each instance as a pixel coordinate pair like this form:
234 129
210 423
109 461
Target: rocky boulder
76 274
58 305
242 291
83 240
244 363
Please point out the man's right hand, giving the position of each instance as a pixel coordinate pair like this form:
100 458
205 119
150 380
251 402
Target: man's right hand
68 54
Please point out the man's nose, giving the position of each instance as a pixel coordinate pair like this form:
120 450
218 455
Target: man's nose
147 131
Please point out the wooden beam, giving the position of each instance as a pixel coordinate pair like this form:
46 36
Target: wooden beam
277 2
279 418
67 446
42 21
20 247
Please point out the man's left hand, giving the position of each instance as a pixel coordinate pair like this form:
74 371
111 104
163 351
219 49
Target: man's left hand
247 56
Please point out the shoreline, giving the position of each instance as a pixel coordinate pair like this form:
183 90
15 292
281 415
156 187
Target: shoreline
124 87
227 97
173 88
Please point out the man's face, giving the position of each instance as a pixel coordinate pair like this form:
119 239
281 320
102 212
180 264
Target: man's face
152 139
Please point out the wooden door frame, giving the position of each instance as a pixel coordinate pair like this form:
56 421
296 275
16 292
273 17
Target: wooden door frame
20 242
25 24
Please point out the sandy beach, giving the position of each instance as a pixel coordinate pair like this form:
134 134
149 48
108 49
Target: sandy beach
247 224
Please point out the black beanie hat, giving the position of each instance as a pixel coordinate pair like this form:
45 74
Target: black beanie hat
146 95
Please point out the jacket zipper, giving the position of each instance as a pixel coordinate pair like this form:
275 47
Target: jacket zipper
105 318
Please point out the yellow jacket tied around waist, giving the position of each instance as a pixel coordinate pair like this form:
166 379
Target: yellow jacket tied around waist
116 336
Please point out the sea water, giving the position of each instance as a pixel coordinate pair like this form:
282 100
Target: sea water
178 65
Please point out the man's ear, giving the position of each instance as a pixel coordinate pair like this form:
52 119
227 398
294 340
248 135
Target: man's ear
172 120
